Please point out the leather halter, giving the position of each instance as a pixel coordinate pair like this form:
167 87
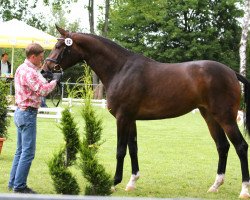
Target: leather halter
66 50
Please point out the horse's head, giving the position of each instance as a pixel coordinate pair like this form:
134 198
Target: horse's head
65 53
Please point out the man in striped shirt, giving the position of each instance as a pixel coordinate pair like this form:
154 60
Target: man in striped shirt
29 87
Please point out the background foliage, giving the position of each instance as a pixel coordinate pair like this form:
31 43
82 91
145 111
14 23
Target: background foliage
22 10
4 120
177 31
165 30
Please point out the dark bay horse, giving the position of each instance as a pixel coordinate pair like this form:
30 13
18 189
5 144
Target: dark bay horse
139 88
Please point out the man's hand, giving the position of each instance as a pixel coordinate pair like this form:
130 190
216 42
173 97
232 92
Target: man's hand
57 77
48 75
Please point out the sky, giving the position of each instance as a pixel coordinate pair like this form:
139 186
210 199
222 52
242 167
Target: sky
78 12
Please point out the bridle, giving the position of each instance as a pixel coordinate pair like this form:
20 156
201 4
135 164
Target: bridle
66 51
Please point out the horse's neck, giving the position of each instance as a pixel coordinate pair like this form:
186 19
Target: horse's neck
105 61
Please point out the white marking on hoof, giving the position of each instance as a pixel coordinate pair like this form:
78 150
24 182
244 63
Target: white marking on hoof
131 184
129 188
113 189
212 189
218 182
244 194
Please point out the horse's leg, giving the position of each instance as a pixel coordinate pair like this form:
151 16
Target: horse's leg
132 144
123 127
222 145
241 147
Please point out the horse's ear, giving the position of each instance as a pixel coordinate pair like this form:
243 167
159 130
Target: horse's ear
61 30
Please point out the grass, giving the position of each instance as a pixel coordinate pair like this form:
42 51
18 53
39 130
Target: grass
177 158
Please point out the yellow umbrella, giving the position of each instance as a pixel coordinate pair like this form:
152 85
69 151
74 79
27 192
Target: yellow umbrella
17 34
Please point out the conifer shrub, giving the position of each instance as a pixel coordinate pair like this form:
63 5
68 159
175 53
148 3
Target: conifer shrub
99 181
71 137
63 180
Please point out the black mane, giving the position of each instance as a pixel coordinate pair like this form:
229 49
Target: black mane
109 42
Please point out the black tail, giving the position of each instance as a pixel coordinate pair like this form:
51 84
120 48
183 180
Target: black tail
246 83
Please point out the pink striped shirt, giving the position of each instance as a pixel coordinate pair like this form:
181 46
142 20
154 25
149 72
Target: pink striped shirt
30 86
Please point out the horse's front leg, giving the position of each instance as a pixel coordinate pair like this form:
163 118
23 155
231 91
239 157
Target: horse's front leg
132 144
123 127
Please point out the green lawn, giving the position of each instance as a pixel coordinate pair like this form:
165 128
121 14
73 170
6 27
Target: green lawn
177 158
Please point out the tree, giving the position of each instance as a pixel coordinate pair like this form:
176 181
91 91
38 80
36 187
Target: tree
71 137
106 19
243 41
92 31
91 16
104 28
248 57
178 30
63 180
99 181
58 9
21 10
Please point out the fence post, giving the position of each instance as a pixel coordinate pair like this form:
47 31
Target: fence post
70 102
59 114
103 103
62 85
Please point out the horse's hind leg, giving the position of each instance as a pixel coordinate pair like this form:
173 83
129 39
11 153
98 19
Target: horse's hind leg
132 144
241 147
123 126
222 145
126 135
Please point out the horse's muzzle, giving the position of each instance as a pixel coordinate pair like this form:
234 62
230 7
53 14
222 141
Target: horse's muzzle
52 65
57 68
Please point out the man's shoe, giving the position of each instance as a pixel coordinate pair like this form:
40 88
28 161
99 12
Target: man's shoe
25 190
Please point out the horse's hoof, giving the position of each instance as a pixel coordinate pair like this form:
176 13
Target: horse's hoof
213 189
113 189
129 188
244 195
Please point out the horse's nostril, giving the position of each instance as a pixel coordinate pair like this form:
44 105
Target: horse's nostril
57 67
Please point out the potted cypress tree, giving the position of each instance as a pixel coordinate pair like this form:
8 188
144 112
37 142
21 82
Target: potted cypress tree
4 121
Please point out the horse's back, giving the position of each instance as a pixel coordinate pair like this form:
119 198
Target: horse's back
174 89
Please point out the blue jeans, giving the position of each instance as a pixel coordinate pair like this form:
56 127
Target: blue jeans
43 102
25 121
